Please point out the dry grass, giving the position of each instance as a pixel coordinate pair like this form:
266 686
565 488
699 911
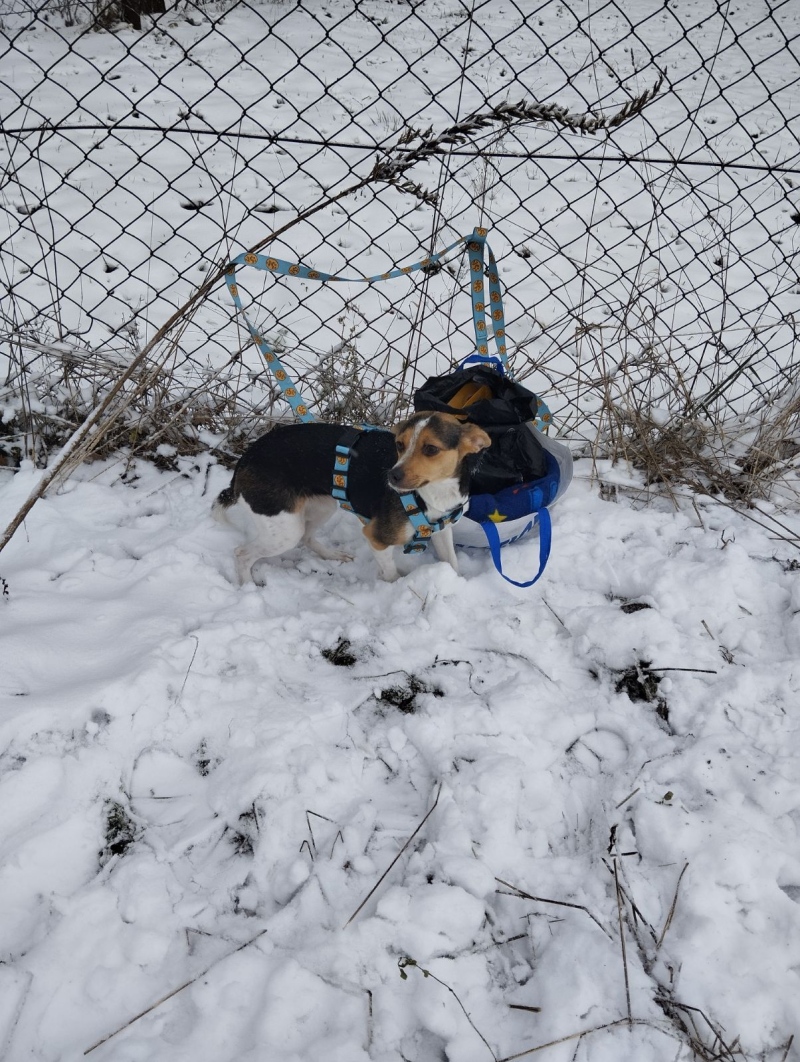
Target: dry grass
168 406
643 411
740 455
643 415
624 390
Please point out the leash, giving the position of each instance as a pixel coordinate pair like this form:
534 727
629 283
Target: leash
477 247
279 267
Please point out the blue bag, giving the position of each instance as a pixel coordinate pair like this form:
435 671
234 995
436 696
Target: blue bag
522 473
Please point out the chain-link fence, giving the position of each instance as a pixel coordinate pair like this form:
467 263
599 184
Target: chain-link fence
650 270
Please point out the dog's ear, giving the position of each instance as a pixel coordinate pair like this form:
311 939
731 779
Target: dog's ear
474 439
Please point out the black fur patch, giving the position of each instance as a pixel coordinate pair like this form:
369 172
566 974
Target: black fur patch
447 433
296 461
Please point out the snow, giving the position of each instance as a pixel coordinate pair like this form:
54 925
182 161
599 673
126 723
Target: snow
324 816
268 789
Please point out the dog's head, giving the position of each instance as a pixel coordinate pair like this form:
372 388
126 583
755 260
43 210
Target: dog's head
432 447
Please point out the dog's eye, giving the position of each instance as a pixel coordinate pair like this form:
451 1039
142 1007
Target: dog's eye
430 451
400 446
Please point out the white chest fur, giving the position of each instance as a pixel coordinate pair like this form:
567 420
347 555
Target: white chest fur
441 497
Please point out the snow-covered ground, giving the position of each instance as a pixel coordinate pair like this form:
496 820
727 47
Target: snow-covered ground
202 786
185 770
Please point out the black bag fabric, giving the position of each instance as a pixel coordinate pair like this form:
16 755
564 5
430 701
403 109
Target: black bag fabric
516 455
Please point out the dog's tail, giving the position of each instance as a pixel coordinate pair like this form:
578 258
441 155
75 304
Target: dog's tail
224 500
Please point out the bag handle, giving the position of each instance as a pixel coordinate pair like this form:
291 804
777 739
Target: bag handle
482 359
545 541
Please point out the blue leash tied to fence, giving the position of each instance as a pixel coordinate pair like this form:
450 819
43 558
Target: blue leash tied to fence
476 247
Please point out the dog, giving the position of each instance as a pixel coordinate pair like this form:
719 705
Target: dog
280 494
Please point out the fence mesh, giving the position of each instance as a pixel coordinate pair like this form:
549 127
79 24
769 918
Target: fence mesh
649 271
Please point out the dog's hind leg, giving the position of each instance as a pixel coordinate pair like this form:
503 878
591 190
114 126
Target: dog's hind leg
268 536
316 512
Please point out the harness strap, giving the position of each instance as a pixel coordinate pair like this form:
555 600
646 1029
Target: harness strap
424 528
341 469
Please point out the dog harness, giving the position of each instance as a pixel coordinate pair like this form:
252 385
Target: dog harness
423 526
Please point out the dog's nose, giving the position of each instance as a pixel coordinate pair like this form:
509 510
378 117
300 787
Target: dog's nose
395 476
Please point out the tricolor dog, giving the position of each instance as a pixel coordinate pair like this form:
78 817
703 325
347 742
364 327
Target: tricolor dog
281 491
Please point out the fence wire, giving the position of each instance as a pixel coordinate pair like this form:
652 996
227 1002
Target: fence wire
649 270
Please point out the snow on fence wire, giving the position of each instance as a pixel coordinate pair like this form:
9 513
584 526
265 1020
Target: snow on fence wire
650 269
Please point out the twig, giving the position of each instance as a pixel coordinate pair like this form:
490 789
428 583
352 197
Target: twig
622 944
408 842
637 914
521 894
548 605
627 798
369 1020
726 1052
671 913
316 815
575 1036
189 668
697 670
406 961
506 940
338 837
174 992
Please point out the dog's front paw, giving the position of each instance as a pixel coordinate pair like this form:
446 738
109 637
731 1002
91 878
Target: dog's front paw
387 569
389 577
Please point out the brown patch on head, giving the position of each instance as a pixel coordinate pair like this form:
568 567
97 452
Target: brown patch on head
431 448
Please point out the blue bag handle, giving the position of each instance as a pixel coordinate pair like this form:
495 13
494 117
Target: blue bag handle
482 359
545 541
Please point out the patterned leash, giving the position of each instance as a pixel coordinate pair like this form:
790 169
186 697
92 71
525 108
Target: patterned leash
476 246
